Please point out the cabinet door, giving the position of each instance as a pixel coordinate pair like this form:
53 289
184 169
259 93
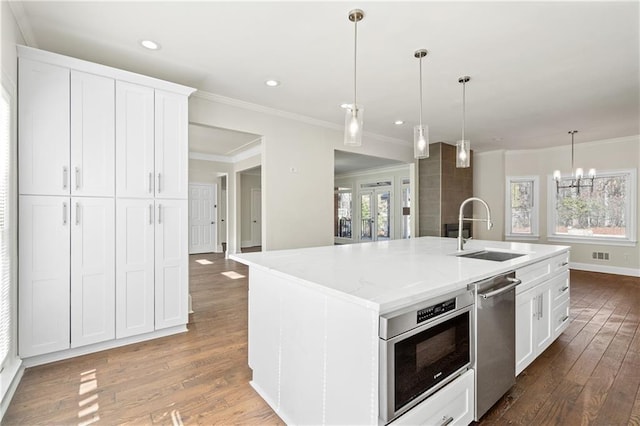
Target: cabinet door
544 326
134 140
43 128
171 263
134 267
526 320
92 134
92 270
43 290
172 146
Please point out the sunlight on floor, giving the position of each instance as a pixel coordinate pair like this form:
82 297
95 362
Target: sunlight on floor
232 274
204 262
88 383
175 418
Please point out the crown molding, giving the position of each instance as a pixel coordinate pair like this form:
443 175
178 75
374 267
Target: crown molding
230 159
213 97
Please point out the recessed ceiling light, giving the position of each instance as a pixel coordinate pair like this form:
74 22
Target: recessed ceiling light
272 83
149 44
398 122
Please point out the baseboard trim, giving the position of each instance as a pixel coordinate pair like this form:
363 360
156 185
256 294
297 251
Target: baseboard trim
97 347
616 270
18 371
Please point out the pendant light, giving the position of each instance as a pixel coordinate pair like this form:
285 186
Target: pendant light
463 146
353 120
420 132
578 180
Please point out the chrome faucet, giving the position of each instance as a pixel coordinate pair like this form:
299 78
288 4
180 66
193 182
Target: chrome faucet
461 219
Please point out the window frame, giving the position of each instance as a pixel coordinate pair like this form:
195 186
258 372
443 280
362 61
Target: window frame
344 189
631 211
535 209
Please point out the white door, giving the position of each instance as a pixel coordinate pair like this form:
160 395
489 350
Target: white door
375 215
171 145
171 263
135 229
92 270
43 128
256 217
43 291
222 217
92 134
134 140
202 218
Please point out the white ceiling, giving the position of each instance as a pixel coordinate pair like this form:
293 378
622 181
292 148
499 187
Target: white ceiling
538 69
349 162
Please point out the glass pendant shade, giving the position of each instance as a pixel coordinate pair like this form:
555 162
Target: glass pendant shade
463 153
421 141
353 126
579 173
557 175
592 173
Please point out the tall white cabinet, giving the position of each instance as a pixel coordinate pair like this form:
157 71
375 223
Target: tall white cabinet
103 170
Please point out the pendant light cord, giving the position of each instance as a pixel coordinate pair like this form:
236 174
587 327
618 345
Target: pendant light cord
421 92
464 117
355 68
573 171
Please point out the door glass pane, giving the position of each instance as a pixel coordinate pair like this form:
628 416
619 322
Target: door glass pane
343 208
366 231
406 212
383 224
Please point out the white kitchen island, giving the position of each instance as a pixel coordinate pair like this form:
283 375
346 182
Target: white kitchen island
314 315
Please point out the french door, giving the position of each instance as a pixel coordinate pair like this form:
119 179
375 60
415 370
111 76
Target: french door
375 215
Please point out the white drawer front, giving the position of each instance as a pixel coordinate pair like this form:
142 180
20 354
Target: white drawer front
454 401
560 318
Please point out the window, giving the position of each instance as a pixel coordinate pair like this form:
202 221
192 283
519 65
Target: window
6 311
344 208
521 216
604 213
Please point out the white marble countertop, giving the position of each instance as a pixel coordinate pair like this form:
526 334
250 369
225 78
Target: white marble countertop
388 275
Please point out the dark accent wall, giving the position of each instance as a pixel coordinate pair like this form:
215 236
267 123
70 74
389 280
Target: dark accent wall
442 187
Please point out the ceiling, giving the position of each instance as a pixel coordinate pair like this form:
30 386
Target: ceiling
350 162
538 69
222 142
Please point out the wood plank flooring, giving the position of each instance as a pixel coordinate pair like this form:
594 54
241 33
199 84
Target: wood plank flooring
589 376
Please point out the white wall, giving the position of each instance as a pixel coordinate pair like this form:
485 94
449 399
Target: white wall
612 154
9 77
297 166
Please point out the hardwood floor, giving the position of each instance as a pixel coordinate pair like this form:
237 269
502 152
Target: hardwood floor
590 375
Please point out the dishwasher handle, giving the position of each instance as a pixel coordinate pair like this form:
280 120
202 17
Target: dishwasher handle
513 283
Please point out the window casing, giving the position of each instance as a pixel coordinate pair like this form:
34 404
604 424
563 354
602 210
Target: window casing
522 208
7 300
605 215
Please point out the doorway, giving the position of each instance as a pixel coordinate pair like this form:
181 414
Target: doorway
375 215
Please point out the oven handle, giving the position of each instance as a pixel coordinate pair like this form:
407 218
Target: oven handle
446 421
514 282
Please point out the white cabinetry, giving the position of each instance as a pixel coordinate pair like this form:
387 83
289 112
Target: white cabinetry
171 278
92 134
171 146
44 267
43 128
452 404
92 270
95 266
134 140
542 303
134 267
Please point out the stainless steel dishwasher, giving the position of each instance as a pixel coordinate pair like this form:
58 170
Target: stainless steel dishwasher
494 346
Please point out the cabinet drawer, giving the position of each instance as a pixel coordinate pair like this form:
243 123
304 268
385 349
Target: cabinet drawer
560 289
454 401
560 318
532 275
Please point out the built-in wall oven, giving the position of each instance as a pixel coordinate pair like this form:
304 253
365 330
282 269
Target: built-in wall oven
422 348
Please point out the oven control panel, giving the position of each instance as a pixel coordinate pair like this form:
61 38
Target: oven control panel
435 310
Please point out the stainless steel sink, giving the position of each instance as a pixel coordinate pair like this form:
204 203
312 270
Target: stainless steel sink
496 256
